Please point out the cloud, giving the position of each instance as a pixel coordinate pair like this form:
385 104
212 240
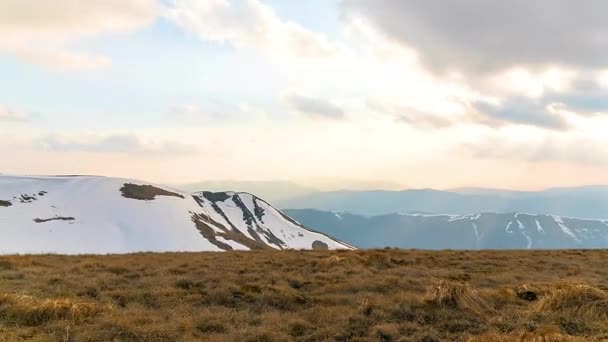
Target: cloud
208 112
247 23
40 31
586 98
476 36
314 107
572 148
525 112
119 143
10 115
60 60
551 108
411 116
190 113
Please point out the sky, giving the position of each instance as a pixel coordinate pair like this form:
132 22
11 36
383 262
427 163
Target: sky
403 92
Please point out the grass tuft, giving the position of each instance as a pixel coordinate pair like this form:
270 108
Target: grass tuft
458 296
579 300
27 310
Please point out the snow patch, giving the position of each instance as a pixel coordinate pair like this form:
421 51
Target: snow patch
564 228
539 228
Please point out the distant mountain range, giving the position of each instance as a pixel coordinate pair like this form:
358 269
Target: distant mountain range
278 190
99 215
471 231
587 202
88 214
270 190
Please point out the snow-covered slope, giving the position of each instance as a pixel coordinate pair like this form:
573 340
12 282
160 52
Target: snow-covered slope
86 214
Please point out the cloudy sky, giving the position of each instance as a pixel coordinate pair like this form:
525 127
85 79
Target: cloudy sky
509 94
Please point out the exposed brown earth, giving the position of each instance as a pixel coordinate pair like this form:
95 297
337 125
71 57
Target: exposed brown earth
377 295
58 218
145 192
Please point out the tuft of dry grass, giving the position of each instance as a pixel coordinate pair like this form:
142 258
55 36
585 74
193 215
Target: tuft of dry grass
458 296
268 295
545 334
581 300
22 309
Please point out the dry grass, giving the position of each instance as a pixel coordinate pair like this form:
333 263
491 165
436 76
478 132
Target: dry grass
26 310
145 192
576 299
458 296
380 295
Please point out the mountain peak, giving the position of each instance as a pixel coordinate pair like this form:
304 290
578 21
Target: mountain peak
88 214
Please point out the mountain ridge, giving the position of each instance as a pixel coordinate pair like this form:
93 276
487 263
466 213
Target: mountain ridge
589 202
470 231
99 215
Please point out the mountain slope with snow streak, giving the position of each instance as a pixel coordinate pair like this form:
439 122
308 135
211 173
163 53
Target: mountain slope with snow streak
99 215
472 231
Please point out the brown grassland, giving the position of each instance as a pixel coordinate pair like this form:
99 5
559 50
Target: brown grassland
377 295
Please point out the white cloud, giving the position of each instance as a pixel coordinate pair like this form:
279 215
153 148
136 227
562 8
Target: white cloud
214 112
10 115
118 143
314 107
248 23
41 31
522 81
59 59
476 36
522 145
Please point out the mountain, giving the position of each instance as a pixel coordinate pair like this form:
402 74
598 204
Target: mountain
472 231
589 202
98 215
282 190
269 190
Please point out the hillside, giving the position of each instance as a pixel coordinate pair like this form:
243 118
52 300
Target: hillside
313 296
86 214
472 231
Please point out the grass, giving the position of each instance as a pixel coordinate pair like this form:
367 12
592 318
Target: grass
377 295
5 203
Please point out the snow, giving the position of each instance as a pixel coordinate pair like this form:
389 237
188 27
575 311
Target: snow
522 230
539 228
475 230
456 218
272 223
106 222
508 228
295 237
564 228
235 245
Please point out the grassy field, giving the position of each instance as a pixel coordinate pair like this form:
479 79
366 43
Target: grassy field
380 295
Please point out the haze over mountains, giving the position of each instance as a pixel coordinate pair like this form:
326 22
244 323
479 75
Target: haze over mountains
278 190
85 214
585 202
373 198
